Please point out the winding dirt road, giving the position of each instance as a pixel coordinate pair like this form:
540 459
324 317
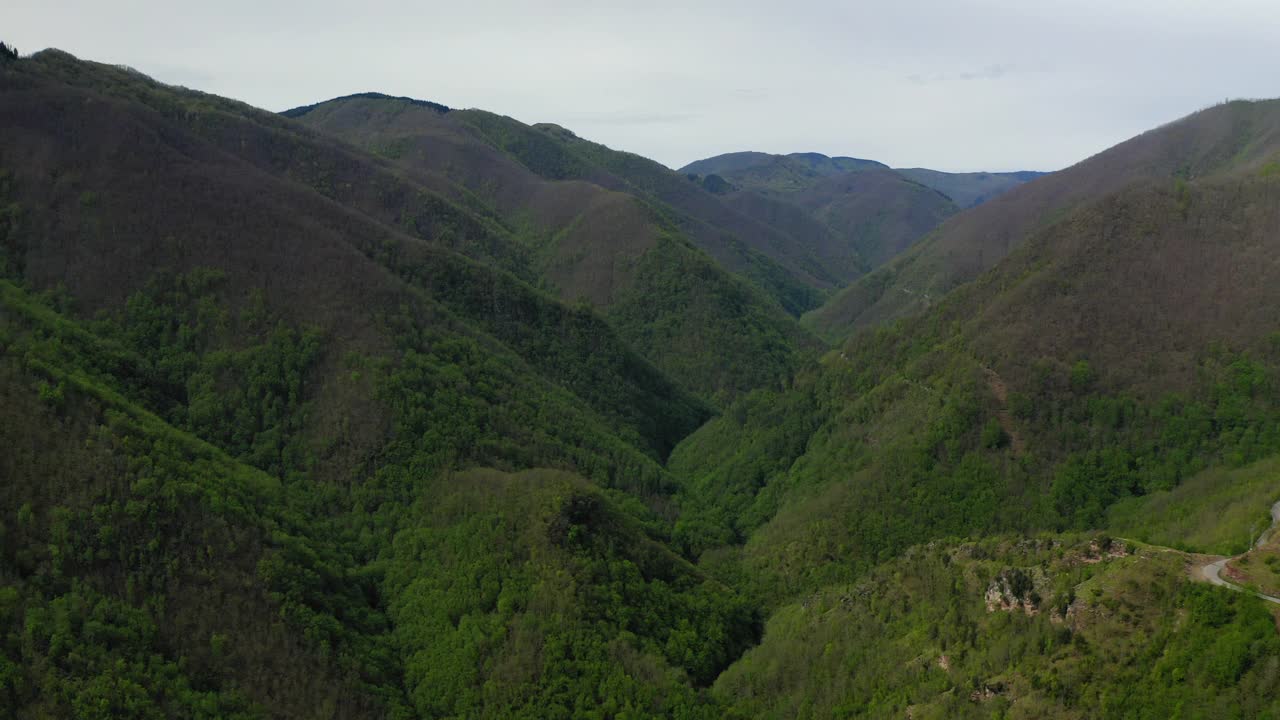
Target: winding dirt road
1213 571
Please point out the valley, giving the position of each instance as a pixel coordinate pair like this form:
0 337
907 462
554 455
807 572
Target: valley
381 408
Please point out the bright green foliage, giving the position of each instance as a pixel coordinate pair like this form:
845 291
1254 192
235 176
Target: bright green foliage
1219 510
529 596
1138 640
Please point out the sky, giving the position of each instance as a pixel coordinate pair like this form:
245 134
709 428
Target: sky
956 85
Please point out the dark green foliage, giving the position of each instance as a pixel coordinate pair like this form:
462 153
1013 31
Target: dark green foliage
1116 447
716 185
99 660
573 348
639 609
247 398
680 300
8 53
904 424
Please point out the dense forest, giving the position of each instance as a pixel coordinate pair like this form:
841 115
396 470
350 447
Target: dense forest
377 408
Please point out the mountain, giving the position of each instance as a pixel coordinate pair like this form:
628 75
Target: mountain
777 173
1114 371
1067 377
382 409
264 392
617 249
1061 627
858 213
854 213
773 260
969 189
1229 140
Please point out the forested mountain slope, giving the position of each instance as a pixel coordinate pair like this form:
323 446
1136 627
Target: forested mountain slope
1122 361
855 213
299 424
866 212
354 187
1233 139
619 249
269 360
502 159
1116 352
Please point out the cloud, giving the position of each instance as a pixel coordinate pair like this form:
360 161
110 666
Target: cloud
626 117
990 72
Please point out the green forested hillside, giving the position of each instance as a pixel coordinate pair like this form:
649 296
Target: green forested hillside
856 214
182 581
1236 139
266 396
621 249
1072 376
1048 627
364 411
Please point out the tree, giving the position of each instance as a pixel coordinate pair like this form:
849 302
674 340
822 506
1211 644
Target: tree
8 52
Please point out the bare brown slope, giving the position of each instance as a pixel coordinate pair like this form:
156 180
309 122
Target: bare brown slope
1233 138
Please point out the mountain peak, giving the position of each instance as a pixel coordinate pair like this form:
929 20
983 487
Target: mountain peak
304 109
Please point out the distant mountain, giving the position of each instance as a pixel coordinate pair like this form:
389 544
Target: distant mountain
783 266
777 173
1223 142
867 216
969 189
855 213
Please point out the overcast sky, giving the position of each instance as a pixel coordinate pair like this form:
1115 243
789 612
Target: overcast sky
948 84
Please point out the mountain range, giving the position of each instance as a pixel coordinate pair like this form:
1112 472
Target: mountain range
381 408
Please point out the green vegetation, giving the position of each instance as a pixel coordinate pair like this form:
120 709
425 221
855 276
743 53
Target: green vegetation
794 473
551 603
1084 635
89 567
780 265
709 329
1219 511
295 431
